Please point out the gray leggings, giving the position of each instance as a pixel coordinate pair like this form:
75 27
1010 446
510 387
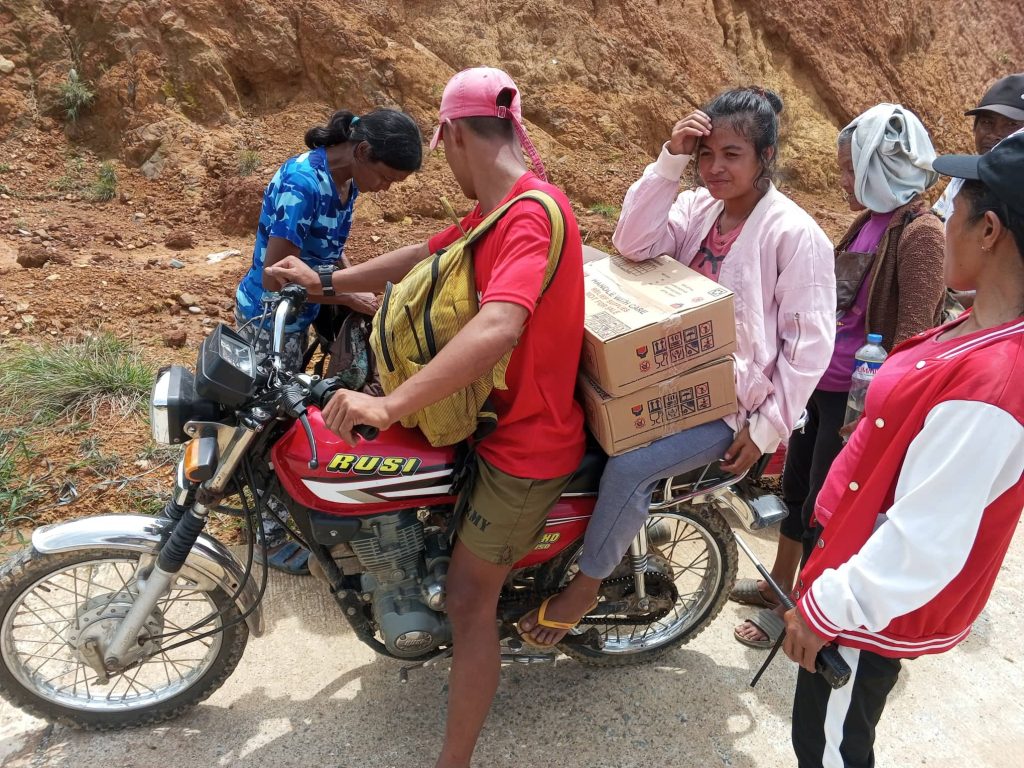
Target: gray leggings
628 482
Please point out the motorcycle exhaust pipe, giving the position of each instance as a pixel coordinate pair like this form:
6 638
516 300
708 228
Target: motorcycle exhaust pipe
829 663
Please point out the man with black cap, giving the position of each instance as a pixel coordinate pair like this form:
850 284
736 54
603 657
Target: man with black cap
999 113
919 509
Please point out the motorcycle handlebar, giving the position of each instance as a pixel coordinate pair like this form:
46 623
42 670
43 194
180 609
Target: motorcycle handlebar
366 432
324 390
293 298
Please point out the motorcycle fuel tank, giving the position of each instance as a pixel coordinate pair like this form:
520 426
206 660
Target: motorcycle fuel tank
397 470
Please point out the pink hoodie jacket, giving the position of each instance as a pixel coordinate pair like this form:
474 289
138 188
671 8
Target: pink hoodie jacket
782 271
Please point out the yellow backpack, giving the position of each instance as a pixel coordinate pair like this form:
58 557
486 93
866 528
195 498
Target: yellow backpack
425 311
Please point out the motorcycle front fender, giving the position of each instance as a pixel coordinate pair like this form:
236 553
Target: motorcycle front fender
139 533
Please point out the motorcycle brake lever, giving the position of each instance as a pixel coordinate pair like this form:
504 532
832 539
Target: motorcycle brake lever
314 461
293 403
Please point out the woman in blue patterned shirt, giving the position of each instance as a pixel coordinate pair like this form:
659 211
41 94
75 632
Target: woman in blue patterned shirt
307 212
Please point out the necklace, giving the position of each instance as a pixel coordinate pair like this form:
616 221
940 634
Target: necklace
719 235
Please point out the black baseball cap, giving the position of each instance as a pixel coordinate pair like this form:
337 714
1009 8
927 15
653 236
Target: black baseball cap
1005 98
1001 169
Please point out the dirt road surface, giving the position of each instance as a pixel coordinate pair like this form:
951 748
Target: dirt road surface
307 693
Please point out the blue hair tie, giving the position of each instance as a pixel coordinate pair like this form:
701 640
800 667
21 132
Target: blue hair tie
354 121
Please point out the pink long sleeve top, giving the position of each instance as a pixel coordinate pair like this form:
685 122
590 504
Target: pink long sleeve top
781 270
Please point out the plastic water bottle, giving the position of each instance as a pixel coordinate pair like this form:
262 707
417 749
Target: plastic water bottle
867 361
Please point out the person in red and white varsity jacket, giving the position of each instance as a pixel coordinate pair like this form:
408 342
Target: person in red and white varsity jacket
919 509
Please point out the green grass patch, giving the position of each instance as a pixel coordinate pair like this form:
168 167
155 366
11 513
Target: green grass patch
606 209
248 162
92 457
145 501
43 382
160 454
71 180
17 492
105 186
75 96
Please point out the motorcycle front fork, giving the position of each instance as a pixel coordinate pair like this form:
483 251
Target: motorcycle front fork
155 585
234 442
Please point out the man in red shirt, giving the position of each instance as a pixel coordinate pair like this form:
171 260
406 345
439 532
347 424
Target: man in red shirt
523 466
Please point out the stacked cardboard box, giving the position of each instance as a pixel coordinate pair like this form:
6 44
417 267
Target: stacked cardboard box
657 350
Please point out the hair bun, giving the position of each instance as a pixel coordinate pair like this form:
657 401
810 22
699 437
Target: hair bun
773 99
337 131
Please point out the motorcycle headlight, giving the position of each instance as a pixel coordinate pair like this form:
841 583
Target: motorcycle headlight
226 368
173 403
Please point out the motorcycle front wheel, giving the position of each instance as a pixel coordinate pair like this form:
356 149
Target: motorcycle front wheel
54 606
698 547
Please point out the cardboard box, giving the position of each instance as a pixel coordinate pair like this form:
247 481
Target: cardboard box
650 320
696 397
590 253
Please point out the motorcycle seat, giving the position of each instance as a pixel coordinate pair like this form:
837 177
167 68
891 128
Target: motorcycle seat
587 477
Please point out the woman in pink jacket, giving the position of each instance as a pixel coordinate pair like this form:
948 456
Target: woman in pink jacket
739 230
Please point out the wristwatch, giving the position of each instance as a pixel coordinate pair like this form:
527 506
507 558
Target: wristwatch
326 272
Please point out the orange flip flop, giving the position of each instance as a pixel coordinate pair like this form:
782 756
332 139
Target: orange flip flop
543 621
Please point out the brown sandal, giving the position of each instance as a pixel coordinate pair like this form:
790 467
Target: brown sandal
745 592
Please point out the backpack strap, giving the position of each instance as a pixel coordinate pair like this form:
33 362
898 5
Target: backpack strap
555 217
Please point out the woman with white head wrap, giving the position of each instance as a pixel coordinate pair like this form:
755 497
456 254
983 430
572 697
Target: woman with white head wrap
892 157
889 281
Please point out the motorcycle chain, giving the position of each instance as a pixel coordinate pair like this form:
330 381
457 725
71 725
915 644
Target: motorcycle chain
646 618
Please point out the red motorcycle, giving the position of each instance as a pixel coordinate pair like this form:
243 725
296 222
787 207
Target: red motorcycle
121 620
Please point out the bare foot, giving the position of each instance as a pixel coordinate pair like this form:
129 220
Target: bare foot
749 631
767 592
568 606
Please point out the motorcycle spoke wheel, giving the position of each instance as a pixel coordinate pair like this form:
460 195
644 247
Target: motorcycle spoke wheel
47 614
698 547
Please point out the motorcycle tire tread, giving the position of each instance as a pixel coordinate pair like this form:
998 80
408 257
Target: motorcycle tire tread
720 531
27 567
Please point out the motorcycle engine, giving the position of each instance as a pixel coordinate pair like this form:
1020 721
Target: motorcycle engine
404 569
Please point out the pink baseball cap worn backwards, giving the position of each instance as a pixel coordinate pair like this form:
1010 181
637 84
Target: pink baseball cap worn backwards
475 93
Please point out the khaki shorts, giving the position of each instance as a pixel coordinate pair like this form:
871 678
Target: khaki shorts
505 516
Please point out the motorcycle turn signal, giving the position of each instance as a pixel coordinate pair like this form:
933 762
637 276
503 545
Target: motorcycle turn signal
201 458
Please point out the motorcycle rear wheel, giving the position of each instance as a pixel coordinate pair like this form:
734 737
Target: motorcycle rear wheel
49 600
702 553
